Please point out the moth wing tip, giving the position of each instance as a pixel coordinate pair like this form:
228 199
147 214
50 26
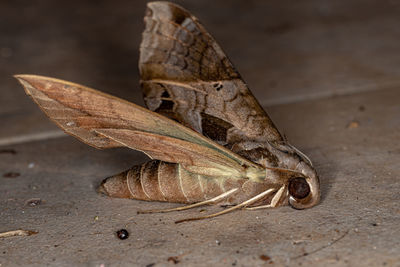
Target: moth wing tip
25 76
26 81
20 77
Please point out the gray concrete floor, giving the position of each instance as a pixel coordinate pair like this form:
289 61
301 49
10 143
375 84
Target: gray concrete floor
327 72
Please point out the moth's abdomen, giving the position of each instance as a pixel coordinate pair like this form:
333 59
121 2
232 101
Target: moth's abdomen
155 180
161 181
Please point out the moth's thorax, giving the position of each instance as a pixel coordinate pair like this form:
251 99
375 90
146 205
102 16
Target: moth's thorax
268 154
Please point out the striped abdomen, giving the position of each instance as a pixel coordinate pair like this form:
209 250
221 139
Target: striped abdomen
161 181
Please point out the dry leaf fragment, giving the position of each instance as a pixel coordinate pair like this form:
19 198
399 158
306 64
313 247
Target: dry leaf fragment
17 233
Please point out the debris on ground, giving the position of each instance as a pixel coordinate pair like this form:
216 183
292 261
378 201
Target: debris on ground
353 125
33 202
17 233
122 234
11 174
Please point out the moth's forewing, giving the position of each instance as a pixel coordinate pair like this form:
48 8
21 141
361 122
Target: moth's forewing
49 95
185 75
104 121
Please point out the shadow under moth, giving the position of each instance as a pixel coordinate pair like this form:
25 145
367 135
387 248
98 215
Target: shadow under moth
209 139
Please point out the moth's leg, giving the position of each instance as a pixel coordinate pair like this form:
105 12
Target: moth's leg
275 200
206 202
241 205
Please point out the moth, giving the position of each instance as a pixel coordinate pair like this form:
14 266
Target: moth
209 139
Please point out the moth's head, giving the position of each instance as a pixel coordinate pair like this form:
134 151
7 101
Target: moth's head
297 174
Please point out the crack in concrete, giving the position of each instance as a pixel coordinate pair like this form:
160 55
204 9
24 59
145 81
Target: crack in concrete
322 247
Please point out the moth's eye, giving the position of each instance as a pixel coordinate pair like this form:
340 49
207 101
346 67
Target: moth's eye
299 188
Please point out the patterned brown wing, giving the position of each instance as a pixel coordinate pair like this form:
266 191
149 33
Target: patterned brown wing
186 76
104 121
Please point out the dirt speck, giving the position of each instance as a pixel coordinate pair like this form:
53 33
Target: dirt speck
265 257
353 125
33 202
174 259
11 174
8 151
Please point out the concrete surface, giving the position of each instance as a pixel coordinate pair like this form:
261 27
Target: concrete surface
327 73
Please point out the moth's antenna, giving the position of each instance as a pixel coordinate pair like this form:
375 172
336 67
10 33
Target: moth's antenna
302 154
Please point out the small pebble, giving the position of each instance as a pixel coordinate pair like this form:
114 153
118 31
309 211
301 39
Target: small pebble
122 234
